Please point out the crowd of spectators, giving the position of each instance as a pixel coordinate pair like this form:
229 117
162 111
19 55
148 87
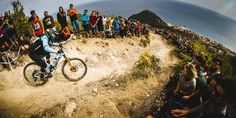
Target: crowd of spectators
88 24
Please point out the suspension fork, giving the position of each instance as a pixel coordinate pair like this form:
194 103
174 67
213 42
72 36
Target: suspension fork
68 60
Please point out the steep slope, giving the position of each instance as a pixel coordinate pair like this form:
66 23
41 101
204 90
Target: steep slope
103 58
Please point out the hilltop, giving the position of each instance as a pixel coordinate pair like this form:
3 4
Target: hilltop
150 18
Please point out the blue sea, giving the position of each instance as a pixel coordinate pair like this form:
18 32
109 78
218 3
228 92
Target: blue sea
200 20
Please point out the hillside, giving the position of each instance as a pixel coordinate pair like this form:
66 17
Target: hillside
150 18
100 93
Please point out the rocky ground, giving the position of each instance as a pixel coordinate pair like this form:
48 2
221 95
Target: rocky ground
100 93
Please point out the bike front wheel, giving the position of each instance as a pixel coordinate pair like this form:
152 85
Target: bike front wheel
74 69
32 74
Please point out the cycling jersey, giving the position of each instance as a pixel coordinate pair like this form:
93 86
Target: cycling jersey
41 45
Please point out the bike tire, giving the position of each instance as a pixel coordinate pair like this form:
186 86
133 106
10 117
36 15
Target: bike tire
79 78
29 82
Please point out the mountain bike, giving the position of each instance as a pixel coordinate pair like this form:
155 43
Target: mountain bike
73 69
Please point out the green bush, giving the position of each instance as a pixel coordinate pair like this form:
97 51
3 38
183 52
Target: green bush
148 62
20 19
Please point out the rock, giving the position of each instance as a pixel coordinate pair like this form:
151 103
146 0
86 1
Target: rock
117 85
74 37
99 53
78 49
94 94
70 107
95 90
130 103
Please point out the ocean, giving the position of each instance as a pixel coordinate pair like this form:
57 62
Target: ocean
200 20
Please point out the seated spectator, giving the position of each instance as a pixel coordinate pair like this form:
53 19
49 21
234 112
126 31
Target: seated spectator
186 81
3 56
109 33
61 17
216 69
221 95
64 34
24 44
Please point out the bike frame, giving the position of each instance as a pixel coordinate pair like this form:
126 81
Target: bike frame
66 59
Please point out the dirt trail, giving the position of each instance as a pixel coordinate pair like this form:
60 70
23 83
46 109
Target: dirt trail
103 58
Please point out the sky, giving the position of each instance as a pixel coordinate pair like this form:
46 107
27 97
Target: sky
224 7
42 5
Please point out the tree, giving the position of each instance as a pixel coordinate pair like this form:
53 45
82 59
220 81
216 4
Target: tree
20 19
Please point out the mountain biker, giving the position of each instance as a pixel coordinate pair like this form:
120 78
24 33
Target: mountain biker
40 46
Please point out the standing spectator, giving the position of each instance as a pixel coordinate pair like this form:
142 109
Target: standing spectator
138 28
31 17
116 25
1 21
72 13
9 29
48 22
37 26
2 40
85 20
132 28
110 22
100 24
61 17
105 21
7 21
123 30
93 22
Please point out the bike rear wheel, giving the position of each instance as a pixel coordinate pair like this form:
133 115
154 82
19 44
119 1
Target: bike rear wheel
32 75
74 69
